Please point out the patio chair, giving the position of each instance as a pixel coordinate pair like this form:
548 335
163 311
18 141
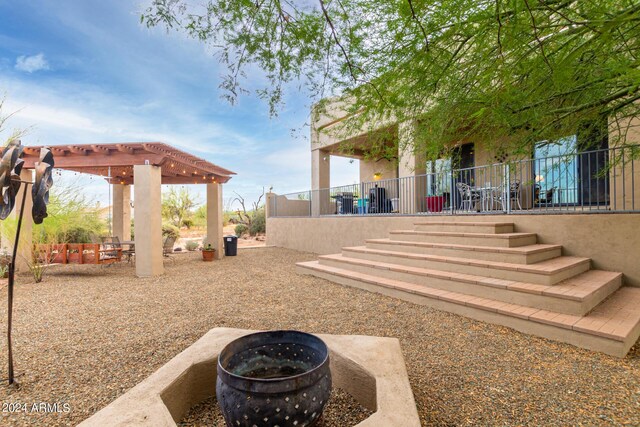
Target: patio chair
548 199
167 245
113 246
497 195
469 197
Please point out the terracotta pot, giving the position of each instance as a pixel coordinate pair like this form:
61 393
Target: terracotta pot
207 255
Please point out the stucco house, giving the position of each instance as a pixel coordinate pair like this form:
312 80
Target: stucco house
546 244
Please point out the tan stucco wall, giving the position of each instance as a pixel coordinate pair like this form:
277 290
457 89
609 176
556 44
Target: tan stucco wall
282 206
612 241
368 168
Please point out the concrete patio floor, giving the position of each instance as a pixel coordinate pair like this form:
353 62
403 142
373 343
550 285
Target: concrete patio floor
87 334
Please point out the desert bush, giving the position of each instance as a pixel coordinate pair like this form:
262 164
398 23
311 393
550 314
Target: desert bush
199 217
72 218
191 245
241 229
170 230
258 222
38 264
177 205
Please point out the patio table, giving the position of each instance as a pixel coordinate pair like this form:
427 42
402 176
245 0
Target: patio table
486 195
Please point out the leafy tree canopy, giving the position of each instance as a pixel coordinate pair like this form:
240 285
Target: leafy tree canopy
506 72
177 205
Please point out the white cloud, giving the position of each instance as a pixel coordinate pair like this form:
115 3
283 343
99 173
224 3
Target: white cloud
32 63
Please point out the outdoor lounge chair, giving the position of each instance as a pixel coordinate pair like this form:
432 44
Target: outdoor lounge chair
167 245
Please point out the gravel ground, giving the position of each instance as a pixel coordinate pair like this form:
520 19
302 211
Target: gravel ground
87 334
341 410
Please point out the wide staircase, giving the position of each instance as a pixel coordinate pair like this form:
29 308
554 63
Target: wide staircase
489 272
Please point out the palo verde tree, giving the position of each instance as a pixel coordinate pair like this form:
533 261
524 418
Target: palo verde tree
508 72
177 205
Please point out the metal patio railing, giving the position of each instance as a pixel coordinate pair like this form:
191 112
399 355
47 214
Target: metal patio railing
606 180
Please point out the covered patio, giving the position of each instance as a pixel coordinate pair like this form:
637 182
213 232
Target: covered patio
145 166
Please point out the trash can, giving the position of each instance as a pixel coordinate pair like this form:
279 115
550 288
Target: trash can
230 245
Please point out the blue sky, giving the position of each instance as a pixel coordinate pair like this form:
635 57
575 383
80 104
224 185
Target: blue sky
87 71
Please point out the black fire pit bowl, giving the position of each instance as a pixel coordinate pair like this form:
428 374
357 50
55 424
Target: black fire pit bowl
275 378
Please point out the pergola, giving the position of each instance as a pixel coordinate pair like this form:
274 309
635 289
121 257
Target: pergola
146 166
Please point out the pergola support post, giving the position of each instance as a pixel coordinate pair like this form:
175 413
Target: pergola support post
148 220
121 219
215 218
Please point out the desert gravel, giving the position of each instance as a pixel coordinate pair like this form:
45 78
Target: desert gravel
88 334
341 410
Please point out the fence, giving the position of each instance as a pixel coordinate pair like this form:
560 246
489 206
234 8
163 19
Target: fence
606 180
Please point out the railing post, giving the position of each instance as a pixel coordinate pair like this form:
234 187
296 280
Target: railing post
506 192
452 193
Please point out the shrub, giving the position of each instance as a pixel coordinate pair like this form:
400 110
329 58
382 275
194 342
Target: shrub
73 218
177 205
241 229
191 245
258 223
170 230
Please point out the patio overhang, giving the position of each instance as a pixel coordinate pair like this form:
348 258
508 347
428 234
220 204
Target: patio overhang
115 162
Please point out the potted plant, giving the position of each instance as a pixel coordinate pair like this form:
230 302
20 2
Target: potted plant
438 176
208 252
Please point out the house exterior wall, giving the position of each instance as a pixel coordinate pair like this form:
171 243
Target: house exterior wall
624 188
610 240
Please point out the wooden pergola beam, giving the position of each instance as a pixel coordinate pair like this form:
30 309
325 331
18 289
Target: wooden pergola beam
176 166
56 151
125 149
100 149
79 150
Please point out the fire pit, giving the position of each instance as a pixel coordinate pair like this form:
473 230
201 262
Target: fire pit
276 378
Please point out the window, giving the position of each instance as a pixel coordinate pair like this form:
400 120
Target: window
556 171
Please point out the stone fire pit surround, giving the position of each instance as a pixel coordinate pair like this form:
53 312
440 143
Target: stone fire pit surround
371 369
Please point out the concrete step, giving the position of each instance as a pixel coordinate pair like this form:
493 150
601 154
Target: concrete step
577 295
611 328
547 272
502 240
529 254
463 226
